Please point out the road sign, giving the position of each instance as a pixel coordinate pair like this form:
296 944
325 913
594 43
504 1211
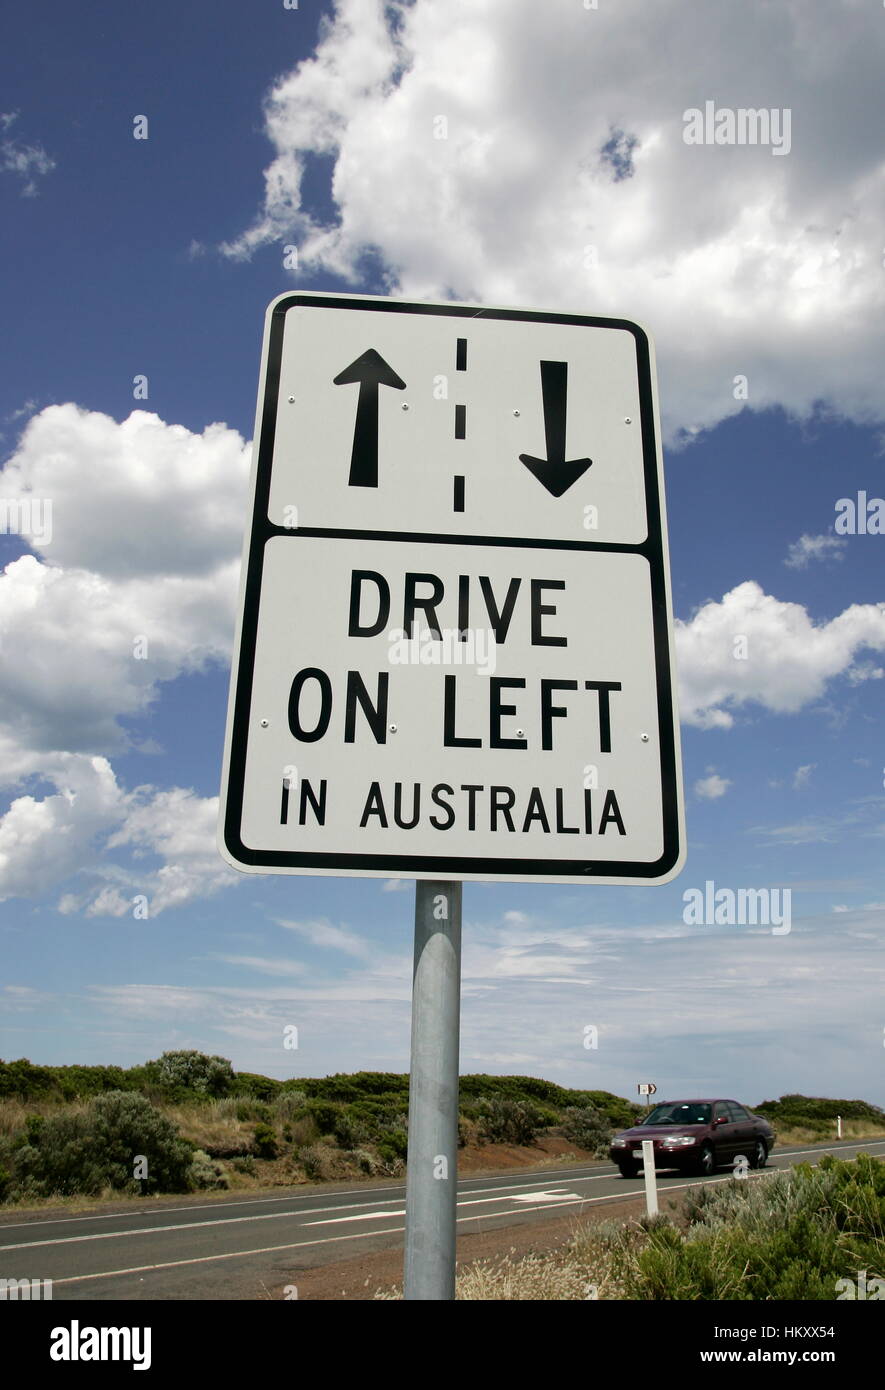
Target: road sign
647 1088
454 657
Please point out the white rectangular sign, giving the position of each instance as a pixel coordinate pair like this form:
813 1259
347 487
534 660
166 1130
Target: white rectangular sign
455 648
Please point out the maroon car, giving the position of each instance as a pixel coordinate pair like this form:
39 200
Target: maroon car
696 1136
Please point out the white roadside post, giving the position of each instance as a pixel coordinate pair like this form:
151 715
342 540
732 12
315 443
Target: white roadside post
838 1126
651 1182
432 1171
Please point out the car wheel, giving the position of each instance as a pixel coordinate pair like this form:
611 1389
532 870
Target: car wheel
627 1170
760 1154
706 1162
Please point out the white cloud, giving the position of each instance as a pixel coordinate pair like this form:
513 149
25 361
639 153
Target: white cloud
712 787
137 582
326 936
264 965
138 498
81 650
808 548
741 262
44 840
802 776
864 671
68 833
136 586
179 827
28 162
789 659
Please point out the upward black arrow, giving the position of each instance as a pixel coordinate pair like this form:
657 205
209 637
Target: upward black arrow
555 472
371 371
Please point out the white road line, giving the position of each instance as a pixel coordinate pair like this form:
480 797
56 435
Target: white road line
264 1216
462 1202
311 1211
334 1240
202 1206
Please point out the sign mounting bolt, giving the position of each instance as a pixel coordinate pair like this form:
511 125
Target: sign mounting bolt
644 738
405 405
627 420
393 728
516 412
264 723
291 400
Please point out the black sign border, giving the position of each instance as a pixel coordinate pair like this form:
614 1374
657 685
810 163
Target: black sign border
449 866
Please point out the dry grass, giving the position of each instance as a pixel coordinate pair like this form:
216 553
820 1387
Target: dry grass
14 1113
591 1265
213 1127
851 1129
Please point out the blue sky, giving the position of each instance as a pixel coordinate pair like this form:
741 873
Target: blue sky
157 257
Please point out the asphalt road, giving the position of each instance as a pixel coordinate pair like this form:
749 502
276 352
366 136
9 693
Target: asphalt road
194 1248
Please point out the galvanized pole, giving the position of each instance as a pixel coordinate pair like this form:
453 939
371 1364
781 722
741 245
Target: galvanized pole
432 1175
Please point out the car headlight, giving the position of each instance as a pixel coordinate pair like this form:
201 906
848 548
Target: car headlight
619 1143
679 1141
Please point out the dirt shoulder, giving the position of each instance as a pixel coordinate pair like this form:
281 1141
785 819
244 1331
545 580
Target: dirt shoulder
358 1278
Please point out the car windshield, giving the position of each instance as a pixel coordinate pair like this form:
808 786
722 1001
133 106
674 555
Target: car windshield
682 1113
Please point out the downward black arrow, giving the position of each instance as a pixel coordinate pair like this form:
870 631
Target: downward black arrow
555 472
371 371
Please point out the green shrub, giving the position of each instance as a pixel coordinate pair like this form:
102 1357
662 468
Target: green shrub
88 1150
314 1159
190 1073
393 1139
266 1143
349 1132
304 1131
288 1105
324 1115
585 1126
789 1235
505 1121
205 1172
391 1158
247 1083
247 1110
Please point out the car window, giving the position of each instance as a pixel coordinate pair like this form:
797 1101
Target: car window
737 1111
682 1113
721 1109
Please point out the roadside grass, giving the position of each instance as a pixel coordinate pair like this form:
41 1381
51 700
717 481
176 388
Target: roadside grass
793 1235
808 1134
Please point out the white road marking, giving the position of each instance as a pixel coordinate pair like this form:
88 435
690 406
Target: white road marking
550 1197
333 1240
272 1216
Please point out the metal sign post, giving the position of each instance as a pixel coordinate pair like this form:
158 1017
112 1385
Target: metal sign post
454 656
432 1176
